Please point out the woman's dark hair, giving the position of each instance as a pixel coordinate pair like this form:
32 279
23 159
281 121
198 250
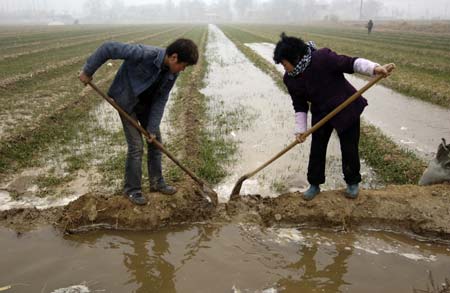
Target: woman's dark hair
186 50
291 49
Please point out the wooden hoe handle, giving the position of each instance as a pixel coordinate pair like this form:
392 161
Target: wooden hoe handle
148 137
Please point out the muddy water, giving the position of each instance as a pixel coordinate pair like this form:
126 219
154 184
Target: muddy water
411 123
227 258
235 84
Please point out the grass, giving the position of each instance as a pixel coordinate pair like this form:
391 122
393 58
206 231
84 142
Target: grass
215 153
385 157
393 165
59 127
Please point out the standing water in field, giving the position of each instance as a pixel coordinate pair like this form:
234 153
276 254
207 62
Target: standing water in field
411 123
218 258
261 119
24 191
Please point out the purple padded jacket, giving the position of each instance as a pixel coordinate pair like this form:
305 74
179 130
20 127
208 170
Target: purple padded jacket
323 85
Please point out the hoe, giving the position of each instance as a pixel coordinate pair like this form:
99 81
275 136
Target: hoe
206 191
237 187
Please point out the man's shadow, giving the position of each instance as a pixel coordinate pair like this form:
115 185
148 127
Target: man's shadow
147 255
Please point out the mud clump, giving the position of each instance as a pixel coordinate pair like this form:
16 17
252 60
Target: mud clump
26 219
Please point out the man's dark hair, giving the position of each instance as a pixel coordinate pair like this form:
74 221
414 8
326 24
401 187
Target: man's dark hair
291 49
186 50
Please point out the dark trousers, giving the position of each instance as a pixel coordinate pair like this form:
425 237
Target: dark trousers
349 141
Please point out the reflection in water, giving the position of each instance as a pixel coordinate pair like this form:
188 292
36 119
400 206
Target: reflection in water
150 264
219 258
148 267
151 259
327 279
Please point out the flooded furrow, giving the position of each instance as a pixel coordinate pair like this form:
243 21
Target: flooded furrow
23 190
411 123
265 125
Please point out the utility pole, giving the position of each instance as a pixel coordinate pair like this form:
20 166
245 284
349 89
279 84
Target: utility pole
446 11
361 10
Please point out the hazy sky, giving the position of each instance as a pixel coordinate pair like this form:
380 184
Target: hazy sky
413 8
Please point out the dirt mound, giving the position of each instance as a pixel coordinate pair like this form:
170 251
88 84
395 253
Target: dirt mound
94 211
422 211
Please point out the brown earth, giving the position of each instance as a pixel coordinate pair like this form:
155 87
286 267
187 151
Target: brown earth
409 209
423 211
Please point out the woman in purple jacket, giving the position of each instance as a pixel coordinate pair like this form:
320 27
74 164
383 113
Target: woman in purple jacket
315 77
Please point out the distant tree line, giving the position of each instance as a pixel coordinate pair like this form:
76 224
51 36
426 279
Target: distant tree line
267 11
274 11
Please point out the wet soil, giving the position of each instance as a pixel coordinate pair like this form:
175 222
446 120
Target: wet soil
92 211
420 211
423 211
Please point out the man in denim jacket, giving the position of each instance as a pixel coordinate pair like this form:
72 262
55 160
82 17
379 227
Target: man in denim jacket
141 87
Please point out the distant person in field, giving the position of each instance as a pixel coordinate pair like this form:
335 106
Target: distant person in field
315 81
369 26
141 87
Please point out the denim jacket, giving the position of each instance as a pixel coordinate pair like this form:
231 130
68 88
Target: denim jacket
140 68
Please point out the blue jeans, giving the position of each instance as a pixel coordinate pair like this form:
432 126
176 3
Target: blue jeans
133 165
